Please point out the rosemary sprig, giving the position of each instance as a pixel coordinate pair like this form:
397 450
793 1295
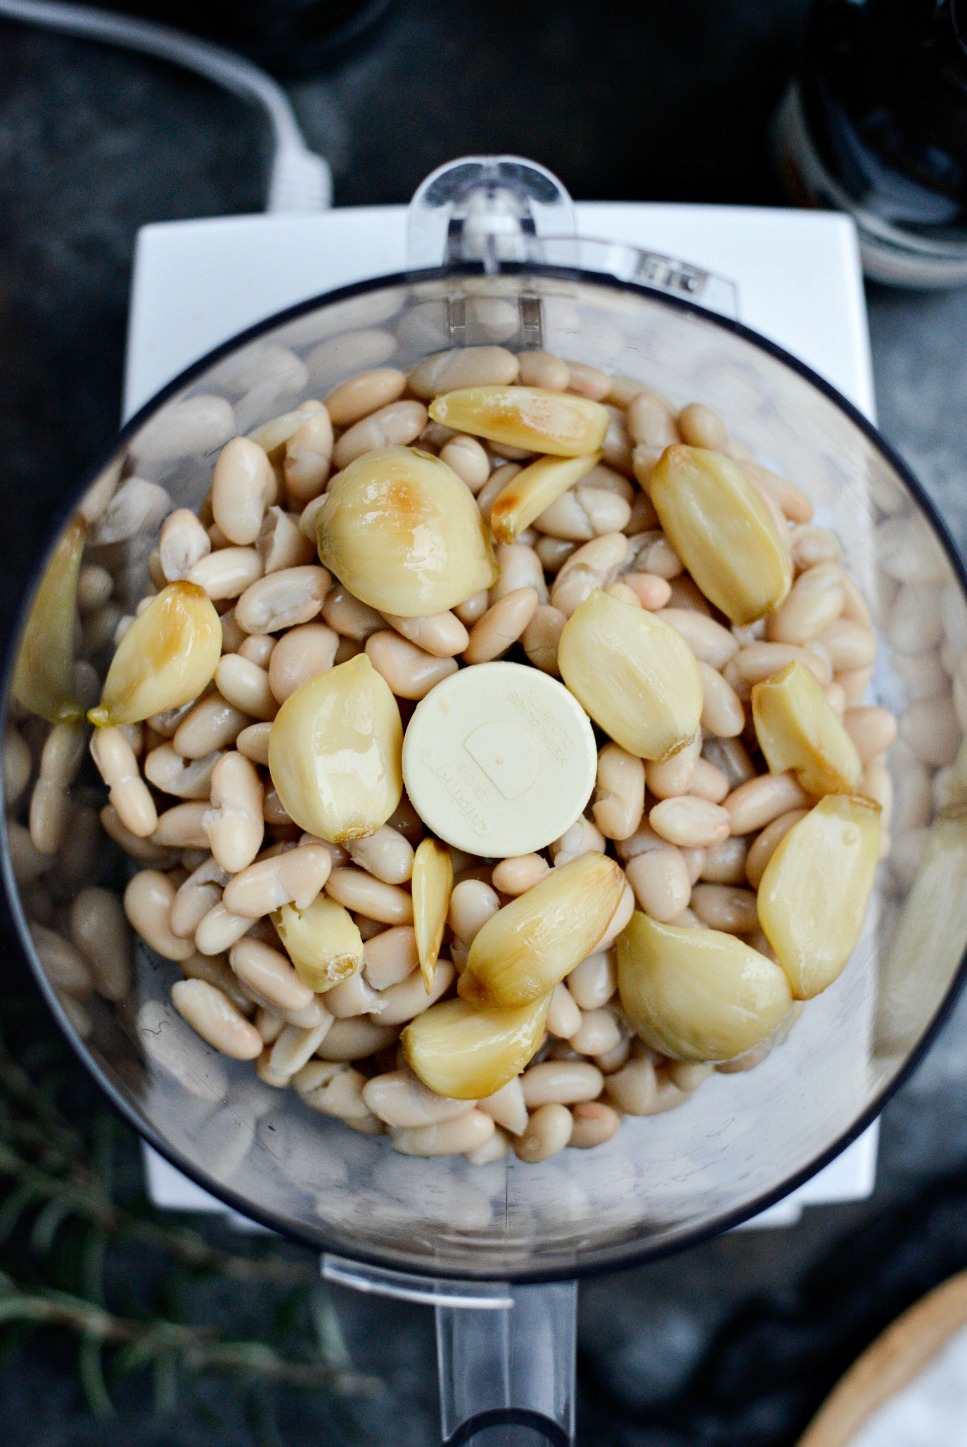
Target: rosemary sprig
67 1221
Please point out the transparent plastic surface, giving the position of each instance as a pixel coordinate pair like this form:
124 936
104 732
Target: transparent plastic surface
493 209
485 208
743 1140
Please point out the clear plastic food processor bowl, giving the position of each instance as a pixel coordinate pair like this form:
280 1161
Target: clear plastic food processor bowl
497 1248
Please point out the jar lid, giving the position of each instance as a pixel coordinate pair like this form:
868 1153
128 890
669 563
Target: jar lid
499 759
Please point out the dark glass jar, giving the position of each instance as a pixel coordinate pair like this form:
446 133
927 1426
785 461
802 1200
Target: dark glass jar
877 125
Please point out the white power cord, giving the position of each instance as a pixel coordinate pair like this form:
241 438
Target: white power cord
300 179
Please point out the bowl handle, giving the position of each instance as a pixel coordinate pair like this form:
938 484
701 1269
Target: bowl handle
490 210
485 209
505 1353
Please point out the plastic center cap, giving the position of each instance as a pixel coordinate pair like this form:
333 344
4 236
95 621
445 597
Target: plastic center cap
499 759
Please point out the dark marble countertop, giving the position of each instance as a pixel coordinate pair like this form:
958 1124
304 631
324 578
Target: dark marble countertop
734 1342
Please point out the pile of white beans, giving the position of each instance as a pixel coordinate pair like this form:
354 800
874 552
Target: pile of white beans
190 799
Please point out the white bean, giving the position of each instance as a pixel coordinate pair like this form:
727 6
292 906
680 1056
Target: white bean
199 893
725 907
211 724
301 442
147 903
442 634
409 671
219 930
282 599
268 972
293 877
765 843
253 742
50 804
594 1123
469 1132
593 982
520 567
468 459
66 966
673 777
282 543
243 486
365 393
660 880
814 602
548 1131
463 367
355 1039
563 1016
404 1102
182 827
561 1082
722 713
129 795
245 686
930 729
226 573
757 802
472 903
519 873
724 863
348 616
397 425
595 565
402 1002
354 996
506 1107
501 626
873 730
690 822
708 640
135 511
183 542
173 774
234 823
541 637
390 957
598 1034
583 837
17 766
365 895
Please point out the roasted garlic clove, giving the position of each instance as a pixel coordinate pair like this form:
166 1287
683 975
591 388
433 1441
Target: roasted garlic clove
402 532
323 942
533 489
798 729
43 679
813 894
722 530
335 751
468 1052
166 658
431 885
635 675
697 994
553 422
527 947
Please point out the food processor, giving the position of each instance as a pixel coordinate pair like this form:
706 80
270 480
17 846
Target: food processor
497 1249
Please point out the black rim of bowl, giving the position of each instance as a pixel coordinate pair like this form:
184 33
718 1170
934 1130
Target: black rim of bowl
602 1259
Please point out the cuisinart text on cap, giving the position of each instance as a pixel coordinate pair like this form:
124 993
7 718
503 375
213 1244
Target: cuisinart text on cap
499 759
